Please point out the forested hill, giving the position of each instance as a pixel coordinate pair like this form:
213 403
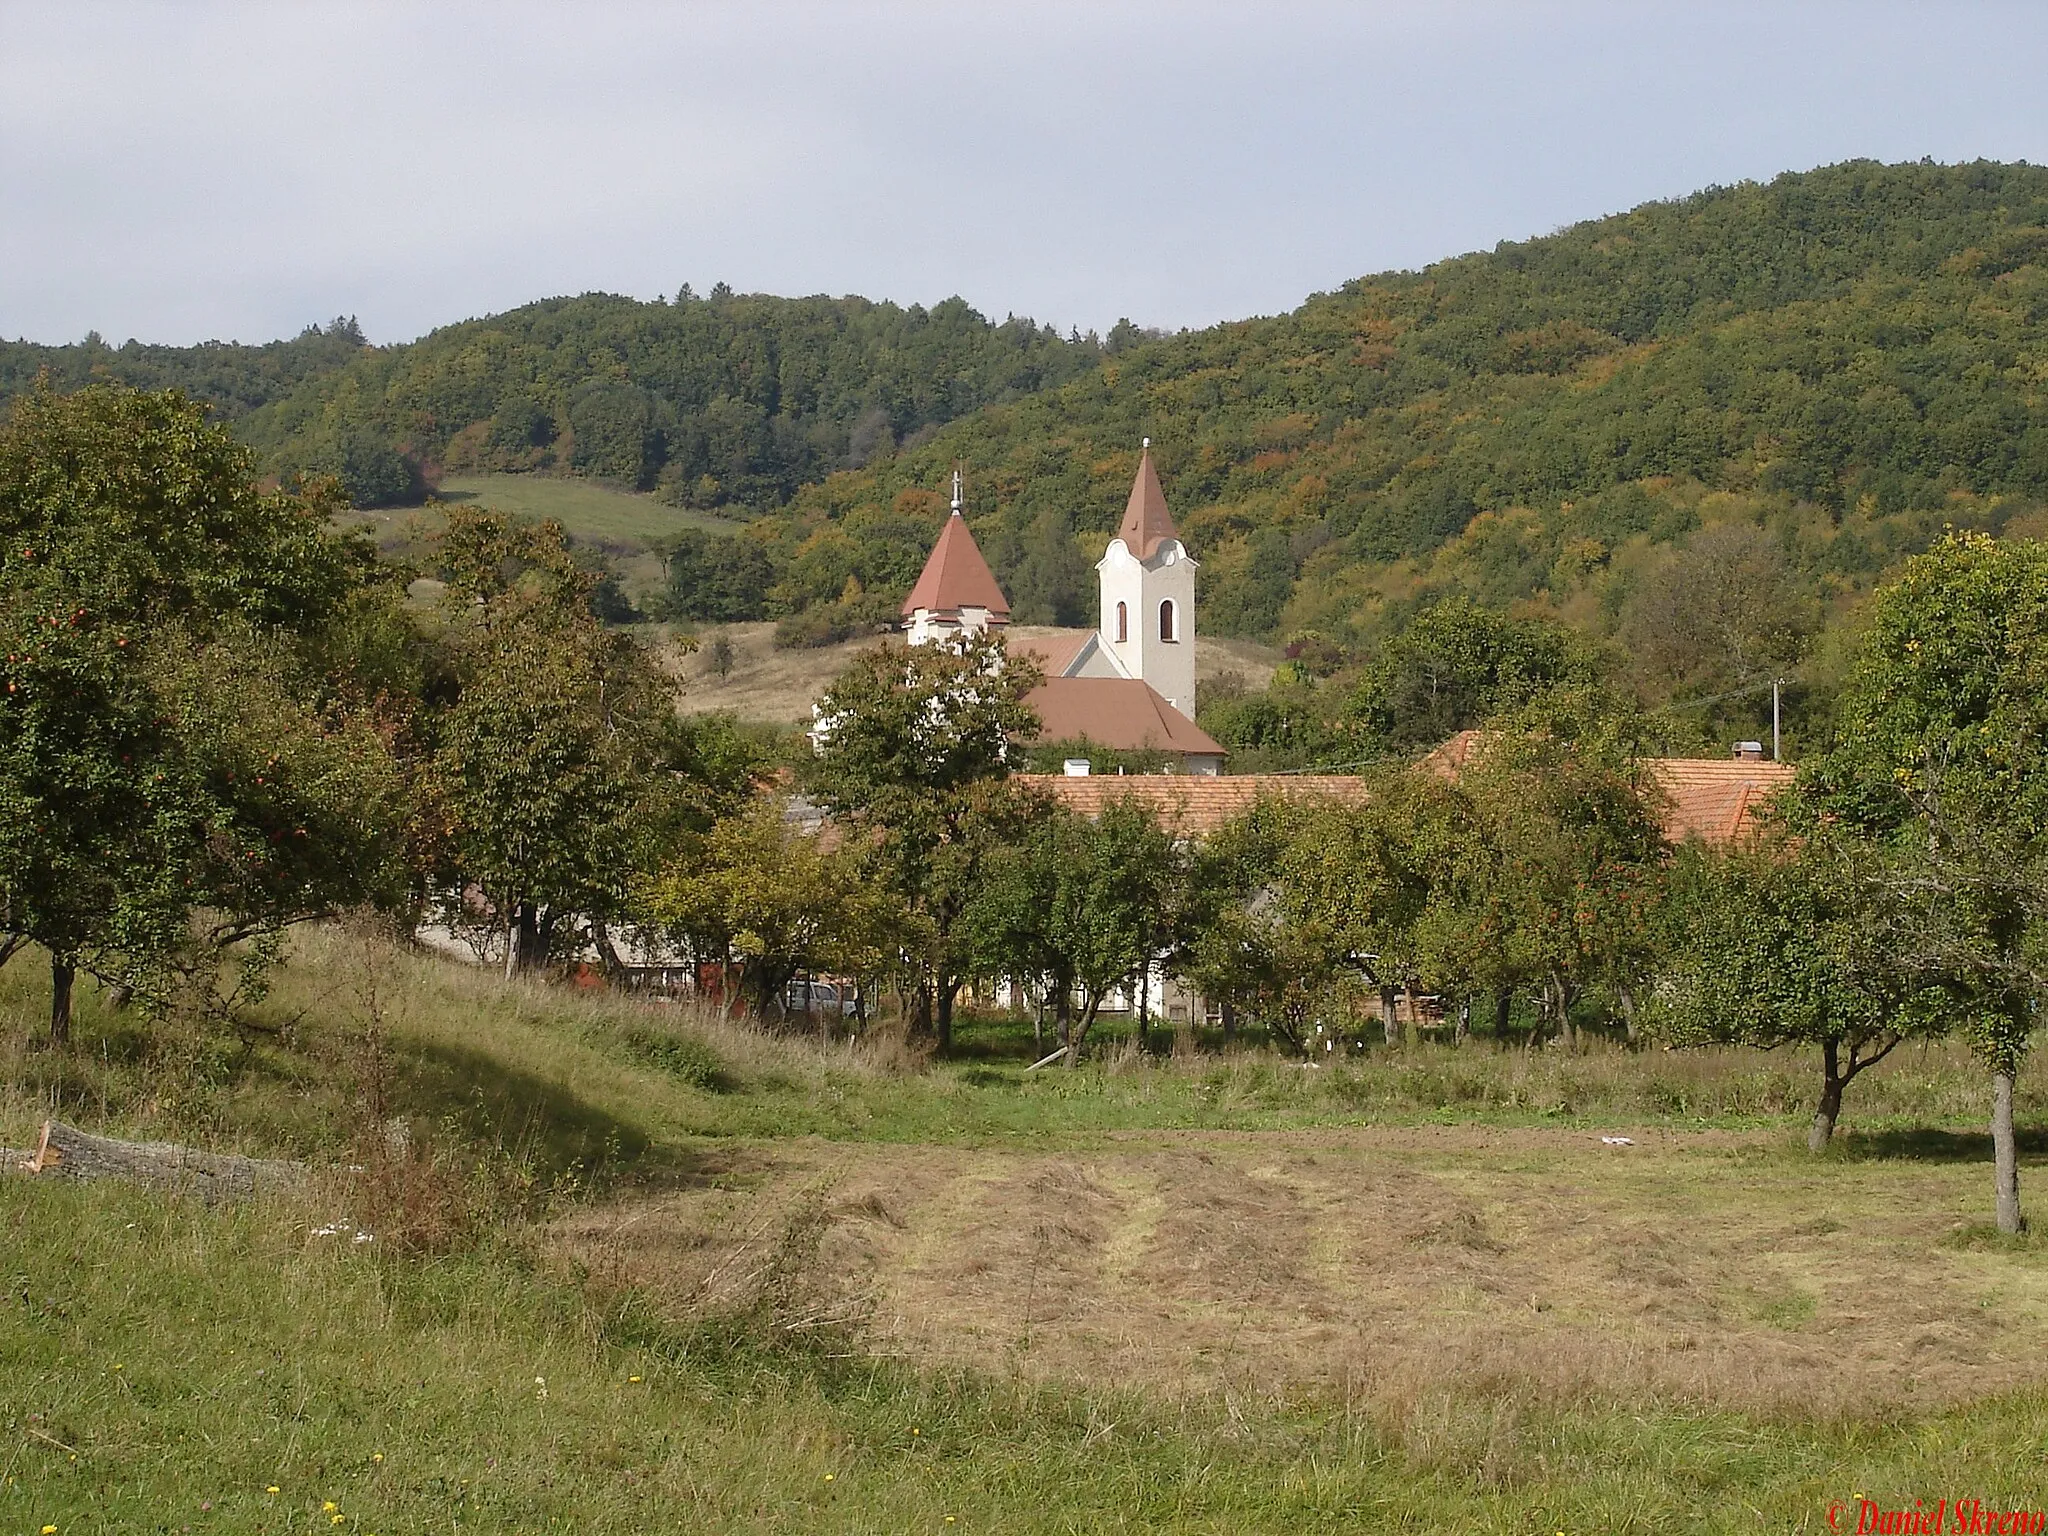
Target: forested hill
1826 369
237 379
721 401
727 401
1770 392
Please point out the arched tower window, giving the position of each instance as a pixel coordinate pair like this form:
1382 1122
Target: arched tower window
1123 623
1166 620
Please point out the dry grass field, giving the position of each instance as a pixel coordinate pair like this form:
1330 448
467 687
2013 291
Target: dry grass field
780 686
1381 1264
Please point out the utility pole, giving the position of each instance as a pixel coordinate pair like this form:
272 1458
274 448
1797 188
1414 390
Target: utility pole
1775 682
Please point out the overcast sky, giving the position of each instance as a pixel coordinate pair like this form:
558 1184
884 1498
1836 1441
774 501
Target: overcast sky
192 170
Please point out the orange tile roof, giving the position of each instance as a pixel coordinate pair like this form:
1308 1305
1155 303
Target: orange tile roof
1451 757
955 576
1120 712
1147 524
1191 804
1716 799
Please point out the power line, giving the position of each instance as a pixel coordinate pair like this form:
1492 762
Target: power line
1732 693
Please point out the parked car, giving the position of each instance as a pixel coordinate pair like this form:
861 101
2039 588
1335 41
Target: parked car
827 997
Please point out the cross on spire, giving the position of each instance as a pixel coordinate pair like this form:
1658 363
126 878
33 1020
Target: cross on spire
956 490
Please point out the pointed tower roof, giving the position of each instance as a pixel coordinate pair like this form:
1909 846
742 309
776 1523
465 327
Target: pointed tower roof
1147 524
956 576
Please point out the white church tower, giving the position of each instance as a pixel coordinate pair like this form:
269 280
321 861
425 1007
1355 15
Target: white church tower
1148 594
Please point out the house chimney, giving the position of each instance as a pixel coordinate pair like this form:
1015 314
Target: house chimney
1077 767
1749 752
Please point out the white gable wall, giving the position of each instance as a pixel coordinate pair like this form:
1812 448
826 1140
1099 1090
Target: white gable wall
1093 659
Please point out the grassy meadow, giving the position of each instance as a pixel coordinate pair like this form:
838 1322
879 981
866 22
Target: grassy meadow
633 1268
591 512
623 526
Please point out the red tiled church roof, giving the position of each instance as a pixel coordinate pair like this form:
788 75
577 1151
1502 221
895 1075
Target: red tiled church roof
1054 653
955 576
1147 524
1118 712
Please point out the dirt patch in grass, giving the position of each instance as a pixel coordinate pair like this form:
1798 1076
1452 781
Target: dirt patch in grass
1392 1264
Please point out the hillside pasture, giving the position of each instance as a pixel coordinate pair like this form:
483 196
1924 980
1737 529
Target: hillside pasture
593 513
624 527
1383 1265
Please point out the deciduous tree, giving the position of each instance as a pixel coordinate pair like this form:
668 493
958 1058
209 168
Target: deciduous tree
1781 942
1085 905
1941 765
554 753
913 748
771 899
193 718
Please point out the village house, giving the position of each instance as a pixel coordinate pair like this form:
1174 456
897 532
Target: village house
1129 684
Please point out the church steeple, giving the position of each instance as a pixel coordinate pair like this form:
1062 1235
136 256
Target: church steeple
956 590
1148 593
1147 524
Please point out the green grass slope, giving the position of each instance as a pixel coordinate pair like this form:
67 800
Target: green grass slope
590 512
257 1369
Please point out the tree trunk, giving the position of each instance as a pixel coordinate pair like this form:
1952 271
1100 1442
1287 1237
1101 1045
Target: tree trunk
1144 1006
1561 1002
949 987
1830 1109
1463 1032
1503 1009
1037 1024
1627 999
2005 1153
1390 1023
1079 1033
63 972
1229 1020
65 1152
607 952
519 939
529 936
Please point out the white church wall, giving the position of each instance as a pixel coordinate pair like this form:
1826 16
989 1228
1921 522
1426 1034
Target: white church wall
1133 636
